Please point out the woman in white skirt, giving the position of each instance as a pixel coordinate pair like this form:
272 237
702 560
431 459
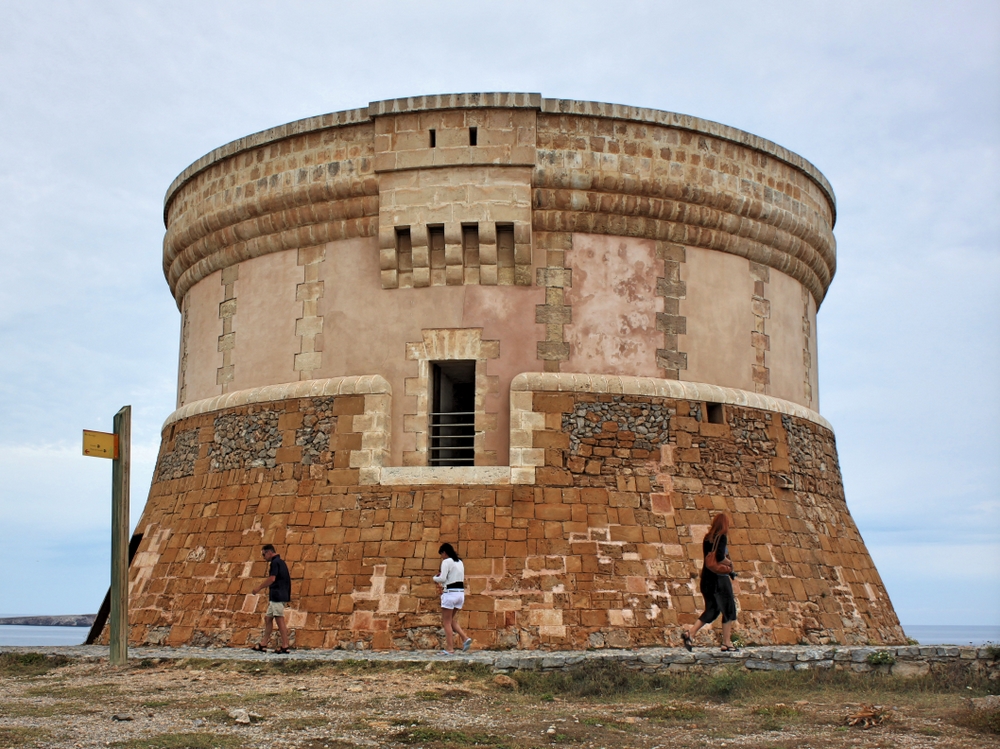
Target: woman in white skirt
451 581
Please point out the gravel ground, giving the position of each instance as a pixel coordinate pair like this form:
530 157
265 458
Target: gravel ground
190 703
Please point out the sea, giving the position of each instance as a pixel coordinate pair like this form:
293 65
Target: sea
925 634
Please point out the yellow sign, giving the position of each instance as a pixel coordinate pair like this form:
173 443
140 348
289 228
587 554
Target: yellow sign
100 444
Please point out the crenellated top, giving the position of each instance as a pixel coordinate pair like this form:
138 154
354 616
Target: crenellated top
574 166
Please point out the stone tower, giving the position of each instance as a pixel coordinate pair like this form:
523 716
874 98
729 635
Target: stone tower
560 335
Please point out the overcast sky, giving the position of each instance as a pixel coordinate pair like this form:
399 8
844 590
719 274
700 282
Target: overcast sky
103 103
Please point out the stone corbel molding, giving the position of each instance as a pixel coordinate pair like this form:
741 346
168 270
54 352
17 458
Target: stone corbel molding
567 382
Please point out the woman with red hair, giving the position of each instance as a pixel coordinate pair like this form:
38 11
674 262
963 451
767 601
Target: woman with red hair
716 587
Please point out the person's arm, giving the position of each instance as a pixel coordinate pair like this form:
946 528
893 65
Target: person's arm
723 553
442 576
269 581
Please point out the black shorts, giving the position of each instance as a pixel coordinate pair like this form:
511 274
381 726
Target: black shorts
721 602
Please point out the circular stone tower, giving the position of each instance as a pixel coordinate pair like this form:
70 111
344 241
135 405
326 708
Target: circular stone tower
560 335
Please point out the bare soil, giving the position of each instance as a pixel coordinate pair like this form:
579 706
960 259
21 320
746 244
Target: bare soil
46 702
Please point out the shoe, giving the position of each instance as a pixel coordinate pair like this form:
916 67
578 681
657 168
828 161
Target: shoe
686 638
466 645
445 652
281 651
729 649
259 648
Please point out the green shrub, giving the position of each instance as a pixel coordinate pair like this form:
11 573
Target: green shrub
880 658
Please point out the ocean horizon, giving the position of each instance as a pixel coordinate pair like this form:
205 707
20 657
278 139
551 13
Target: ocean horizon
23 635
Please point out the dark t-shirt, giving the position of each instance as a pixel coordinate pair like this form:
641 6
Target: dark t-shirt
280 590
708 578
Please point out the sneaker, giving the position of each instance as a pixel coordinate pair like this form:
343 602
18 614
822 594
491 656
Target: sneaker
466 645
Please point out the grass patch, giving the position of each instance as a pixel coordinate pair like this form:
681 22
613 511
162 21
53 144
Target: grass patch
30 664
983 721
675 713
183 741
65 692
775 717
15 738
427 695
605 680
304 723
24 710
438 739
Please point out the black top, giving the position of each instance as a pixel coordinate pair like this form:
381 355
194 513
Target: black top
281 589
708 577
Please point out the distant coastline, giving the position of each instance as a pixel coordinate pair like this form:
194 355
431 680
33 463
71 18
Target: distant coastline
70 620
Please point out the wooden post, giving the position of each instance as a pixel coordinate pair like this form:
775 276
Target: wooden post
119 539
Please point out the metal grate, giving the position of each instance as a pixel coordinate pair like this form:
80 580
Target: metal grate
453 436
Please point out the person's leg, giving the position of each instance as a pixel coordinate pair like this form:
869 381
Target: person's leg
693 629
727 628
462 637
282 630
446 620
268 625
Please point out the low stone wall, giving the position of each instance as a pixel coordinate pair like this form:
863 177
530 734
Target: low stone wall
906 662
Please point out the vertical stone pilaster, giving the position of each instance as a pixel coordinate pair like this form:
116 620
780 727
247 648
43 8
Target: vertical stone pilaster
182 365
759 339
309 326
807 350
555 313
670 322
227 341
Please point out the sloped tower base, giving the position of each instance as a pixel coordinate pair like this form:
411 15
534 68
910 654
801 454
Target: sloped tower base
591 539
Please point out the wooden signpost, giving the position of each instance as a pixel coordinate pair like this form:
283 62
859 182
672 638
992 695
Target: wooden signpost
116 447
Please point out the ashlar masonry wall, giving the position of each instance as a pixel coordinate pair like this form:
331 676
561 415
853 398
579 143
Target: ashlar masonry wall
596 545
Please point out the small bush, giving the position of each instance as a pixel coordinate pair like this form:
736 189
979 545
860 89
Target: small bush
880 658
993 650
727 683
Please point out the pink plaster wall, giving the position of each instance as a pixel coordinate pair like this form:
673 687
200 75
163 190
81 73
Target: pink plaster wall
614 304
787 340
266 310
366 329
719 319
204 329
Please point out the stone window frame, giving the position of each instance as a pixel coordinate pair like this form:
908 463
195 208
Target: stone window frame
449 344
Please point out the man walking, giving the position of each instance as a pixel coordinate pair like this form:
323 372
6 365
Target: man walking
279 585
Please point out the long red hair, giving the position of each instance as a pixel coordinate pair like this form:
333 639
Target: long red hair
720 526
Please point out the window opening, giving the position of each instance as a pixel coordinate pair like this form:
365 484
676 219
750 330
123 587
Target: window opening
404 250
473 136
715 413
453 413
435 239
470 245
433 139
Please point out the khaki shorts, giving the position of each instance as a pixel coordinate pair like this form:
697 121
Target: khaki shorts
275 609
